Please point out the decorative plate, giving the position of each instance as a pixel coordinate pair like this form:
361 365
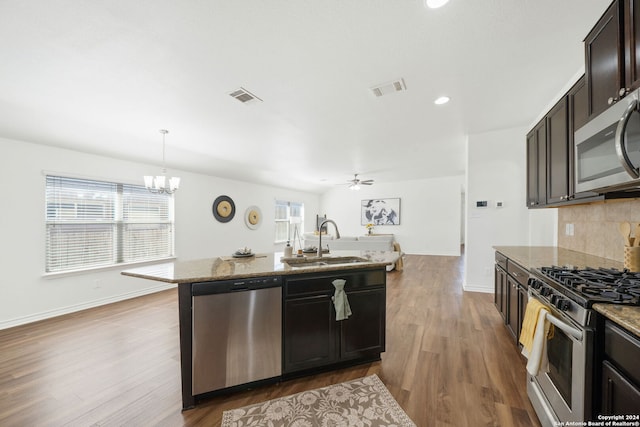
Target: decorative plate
237 255
253 217
223 208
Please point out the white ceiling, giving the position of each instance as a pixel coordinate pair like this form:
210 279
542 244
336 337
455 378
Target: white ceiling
104 76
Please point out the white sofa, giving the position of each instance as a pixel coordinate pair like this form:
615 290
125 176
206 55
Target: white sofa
355 243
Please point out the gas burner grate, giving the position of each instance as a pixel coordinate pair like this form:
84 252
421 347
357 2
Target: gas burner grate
598 284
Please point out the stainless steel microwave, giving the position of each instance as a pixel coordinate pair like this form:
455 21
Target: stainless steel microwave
607 149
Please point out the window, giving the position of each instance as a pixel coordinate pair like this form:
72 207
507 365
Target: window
289 219
96 223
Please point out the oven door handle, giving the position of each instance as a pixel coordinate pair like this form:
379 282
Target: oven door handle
569 330
621 143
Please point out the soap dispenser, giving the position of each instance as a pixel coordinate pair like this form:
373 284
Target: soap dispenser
288 250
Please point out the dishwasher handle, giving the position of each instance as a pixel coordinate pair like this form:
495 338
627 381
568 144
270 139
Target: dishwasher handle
238 285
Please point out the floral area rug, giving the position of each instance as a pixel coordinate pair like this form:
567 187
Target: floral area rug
364 402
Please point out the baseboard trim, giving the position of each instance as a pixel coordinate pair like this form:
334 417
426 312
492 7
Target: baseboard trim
477 288
6 324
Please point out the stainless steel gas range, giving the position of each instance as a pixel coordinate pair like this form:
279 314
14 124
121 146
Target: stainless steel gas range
565 393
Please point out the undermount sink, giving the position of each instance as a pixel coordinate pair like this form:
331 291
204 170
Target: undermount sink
319 262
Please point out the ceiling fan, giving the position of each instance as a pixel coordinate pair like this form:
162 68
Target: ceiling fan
355 183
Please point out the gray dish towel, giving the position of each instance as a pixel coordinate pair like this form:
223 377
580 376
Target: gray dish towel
340 301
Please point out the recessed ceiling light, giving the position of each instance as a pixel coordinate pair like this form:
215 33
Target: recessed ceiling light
442 100
434 4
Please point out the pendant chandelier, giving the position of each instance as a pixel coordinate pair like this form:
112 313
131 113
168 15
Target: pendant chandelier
160 184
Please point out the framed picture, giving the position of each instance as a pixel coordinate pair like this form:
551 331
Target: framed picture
380 212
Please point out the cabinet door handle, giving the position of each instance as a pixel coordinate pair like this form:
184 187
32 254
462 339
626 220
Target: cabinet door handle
609 396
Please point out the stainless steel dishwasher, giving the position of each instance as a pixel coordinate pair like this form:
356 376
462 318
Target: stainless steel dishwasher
237 332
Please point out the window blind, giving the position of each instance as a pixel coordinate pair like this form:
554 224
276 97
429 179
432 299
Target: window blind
147 225
95 223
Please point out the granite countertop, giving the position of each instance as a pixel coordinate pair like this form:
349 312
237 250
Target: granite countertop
538 256
625 316
268 264
546 256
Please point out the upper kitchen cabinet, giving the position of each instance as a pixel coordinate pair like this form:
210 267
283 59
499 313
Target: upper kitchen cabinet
558 152
612 68
536 165
604 56
631 37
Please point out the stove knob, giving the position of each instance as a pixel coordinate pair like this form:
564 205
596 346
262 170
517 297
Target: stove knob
546 291
535 284
562 304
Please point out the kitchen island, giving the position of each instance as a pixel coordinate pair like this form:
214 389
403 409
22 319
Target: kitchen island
253 320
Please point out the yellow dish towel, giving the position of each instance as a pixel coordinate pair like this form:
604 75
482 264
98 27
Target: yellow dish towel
529 323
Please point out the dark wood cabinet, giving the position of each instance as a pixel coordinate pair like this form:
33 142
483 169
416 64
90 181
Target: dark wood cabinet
551 151
558 152
310 333
523 299
631 46
604 60
500 284
578 106
611 55
512 310
619 395
536 165
363 332
620 384
312 338
511 284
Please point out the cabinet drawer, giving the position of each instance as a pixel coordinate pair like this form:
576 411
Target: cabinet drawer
315 284
520 274
623 350
501 260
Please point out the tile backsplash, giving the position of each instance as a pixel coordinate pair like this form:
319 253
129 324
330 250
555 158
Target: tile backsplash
596 227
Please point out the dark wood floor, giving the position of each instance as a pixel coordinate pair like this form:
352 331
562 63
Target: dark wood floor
449 361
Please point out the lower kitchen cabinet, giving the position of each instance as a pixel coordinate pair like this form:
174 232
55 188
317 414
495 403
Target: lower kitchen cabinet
620 372
500 291
619 395
512 311
511 293
313 339
364 331
310 333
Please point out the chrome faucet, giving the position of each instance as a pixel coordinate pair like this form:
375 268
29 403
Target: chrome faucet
320 235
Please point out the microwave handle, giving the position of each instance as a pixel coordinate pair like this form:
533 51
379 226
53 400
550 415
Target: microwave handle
620 143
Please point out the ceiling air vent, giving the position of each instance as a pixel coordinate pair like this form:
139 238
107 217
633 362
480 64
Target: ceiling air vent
390 87
244 96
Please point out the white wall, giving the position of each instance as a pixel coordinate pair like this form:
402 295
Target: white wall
496 171
543 227
26 296
430 213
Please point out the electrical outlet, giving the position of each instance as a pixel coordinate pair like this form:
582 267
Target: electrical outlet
568 229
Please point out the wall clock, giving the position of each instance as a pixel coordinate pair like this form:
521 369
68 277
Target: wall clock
253 217
223 209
